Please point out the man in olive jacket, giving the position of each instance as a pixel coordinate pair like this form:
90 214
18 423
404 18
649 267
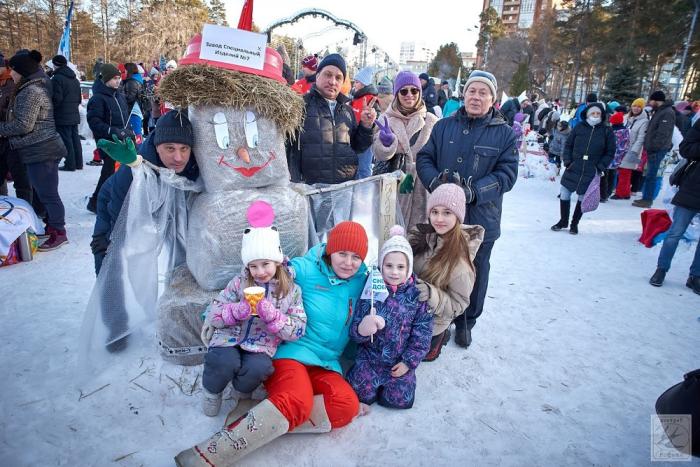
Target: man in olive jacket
474 148
657 142
326 150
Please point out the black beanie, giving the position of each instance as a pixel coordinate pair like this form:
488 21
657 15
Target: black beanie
108 71
592 97
657 96
59 60
24 64
173 127
335 60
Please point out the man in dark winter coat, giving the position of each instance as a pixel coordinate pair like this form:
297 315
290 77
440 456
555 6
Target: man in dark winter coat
169 145
325 151
588 151
474 148
107 115
66 100
509 109
9 160
443 94
687 206
130 87
429 94
657 142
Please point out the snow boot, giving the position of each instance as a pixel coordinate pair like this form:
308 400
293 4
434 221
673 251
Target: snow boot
657 280
564 209
318 422
257 427
573 230
463 337
436 345
693 282
57 238
92 205
211 403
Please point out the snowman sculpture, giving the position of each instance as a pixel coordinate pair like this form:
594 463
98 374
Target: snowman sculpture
240 117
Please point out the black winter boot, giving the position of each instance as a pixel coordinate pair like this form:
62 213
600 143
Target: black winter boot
657 280
693 282
573 230
463 337
564 209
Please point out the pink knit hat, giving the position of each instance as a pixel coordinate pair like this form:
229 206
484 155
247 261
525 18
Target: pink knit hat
450 196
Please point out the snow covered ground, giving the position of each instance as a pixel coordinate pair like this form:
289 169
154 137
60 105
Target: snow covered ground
568 359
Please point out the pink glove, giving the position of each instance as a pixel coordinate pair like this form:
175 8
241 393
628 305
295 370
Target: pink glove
370 324
385 134
230 313
274 319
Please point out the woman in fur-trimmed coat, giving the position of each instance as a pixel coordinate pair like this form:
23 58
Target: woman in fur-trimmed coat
404 129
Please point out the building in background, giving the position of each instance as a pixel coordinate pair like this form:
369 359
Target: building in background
415 52
518 15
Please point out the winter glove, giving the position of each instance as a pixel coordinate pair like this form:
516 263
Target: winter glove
424 290
274 319
386 136
434 183
121 151
406 185
230 313
469 193
99 244
370 324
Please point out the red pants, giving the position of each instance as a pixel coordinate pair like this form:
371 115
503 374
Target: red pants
292 386
624 183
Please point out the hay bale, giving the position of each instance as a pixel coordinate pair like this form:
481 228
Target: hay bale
204 85
179 319
216 225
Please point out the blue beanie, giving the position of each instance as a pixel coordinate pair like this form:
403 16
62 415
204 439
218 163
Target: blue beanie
173 127
335 60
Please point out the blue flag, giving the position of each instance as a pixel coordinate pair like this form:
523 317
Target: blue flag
64 45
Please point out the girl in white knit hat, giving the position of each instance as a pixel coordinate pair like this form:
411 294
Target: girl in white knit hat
256 311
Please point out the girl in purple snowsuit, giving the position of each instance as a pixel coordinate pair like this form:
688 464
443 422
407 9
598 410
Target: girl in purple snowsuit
385 368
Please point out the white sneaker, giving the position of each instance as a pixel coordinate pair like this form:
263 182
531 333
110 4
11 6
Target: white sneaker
211 403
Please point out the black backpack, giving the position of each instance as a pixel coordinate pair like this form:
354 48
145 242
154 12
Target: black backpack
682 399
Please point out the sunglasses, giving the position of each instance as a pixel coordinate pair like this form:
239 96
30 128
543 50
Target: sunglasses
405 91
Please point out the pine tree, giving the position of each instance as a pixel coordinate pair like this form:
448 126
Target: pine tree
520 81
446 62
621 84
217 12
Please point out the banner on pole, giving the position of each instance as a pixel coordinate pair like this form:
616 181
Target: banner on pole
375 286
64 44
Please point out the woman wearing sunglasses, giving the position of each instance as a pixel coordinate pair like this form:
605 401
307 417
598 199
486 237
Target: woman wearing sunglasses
404 128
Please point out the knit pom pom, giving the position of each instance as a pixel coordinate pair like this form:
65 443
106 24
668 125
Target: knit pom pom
260 214
396 230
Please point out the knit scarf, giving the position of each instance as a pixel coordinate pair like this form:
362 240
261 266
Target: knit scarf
396 105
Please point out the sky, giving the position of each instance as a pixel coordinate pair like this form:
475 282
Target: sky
386 23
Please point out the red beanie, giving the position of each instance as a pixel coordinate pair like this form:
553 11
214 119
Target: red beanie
347 236
617 118
310 62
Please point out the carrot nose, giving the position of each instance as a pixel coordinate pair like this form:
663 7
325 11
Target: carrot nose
243 154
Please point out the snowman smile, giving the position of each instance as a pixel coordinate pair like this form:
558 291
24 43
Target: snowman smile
247 171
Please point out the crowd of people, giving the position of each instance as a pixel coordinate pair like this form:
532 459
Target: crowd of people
458 158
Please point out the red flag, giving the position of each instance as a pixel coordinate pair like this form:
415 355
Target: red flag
246 20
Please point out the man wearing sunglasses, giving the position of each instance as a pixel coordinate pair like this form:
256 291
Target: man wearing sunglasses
475 148
326 150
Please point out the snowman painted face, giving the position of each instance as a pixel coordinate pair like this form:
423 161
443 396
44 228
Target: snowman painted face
237 148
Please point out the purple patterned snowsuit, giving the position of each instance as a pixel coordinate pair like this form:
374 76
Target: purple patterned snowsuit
405 338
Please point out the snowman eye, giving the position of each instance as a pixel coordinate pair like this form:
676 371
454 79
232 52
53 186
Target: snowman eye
221 130
251 130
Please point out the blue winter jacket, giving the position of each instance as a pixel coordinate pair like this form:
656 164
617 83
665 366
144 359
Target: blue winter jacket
329 303
482 149
407 333
114 190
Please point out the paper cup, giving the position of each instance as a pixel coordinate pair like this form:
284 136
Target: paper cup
253 295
